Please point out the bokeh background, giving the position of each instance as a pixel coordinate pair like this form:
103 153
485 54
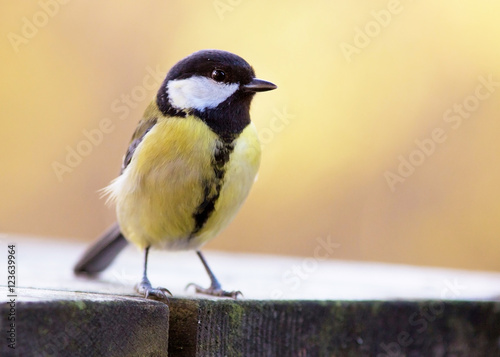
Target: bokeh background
362 85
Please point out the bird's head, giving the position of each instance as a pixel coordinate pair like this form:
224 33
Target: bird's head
215 85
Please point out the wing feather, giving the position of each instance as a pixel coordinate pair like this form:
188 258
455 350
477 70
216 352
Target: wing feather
149 120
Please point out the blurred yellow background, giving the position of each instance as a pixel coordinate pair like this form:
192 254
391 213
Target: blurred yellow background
382 138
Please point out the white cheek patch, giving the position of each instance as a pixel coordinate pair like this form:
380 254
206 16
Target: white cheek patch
198 93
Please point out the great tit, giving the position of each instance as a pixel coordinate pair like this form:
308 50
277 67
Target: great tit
189 166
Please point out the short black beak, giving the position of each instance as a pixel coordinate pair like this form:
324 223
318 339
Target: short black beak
258 85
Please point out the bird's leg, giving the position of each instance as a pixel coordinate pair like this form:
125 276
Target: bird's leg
215 288
145 288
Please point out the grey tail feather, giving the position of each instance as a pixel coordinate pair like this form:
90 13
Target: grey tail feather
102 253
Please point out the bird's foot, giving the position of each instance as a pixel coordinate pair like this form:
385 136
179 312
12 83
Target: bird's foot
215 291
145 288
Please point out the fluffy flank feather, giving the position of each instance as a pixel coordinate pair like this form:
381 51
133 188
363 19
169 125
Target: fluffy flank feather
111 191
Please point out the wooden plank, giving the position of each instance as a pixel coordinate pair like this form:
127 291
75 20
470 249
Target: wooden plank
291 307
60 323
334 328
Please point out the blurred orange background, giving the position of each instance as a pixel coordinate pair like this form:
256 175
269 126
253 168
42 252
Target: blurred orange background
383 136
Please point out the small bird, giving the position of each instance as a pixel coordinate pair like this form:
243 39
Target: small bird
189 166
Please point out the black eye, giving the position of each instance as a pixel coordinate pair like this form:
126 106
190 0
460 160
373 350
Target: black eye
218 75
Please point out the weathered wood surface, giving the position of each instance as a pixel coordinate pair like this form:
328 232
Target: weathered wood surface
334 328
292 307
60 323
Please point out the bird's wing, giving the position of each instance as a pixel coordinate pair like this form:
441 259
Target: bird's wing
100 255
149 120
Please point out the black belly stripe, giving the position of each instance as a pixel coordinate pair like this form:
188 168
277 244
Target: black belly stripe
211 188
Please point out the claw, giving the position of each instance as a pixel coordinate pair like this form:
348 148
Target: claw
145 288
215 291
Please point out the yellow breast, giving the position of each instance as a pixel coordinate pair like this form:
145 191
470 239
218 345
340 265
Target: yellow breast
173 175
